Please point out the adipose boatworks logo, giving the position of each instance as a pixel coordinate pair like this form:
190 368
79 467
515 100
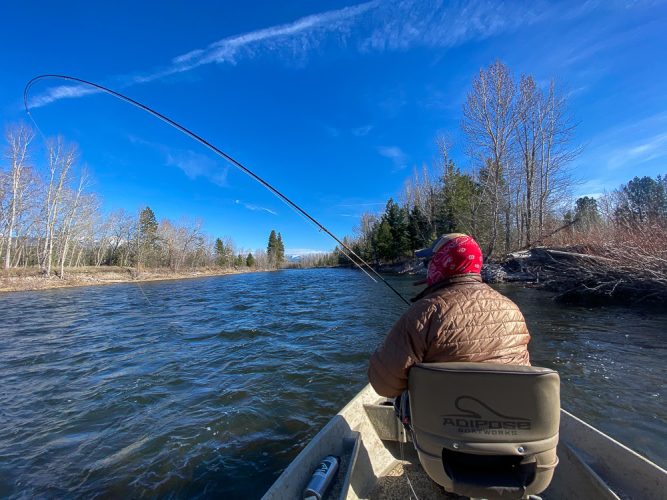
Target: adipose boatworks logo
478 417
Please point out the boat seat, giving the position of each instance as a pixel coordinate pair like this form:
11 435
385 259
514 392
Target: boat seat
486 430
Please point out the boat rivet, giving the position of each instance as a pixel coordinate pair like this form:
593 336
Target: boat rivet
455 446
520 449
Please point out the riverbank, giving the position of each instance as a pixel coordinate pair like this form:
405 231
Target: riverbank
579 276
29 279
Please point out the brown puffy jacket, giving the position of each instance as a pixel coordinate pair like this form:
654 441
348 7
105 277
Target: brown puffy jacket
458 319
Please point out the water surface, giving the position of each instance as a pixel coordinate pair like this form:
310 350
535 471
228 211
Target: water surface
209 387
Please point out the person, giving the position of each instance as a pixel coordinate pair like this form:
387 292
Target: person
456 317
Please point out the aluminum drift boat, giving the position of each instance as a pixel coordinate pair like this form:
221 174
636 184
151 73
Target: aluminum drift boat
378 460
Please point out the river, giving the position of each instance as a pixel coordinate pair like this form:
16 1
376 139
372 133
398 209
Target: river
209 387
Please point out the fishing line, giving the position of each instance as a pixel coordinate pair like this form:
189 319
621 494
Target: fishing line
348 252
144 294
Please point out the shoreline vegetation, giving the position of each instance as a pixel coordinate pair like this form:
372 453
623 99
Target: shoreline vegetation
577 277
514 197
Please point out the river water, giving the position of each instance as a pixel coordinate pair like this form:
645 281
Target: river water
209 387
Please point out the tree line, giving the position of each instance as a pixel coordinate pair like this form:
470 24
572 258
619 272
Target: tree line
49 219
519 140
633 214
515 194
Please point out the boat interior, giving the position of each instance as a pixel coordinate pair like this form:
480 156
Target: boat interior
474 432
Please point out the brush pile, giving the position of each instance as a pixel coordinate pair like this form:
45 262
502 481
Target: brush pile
628 267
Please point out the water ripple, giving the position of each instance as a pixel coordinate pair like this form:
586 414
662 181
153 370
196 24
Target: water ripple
210 387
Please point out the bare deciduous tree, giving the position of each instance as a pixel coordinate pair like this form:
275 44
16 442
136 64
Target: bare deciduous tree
60 159
528 141
488 123
557 151
18 138
71 202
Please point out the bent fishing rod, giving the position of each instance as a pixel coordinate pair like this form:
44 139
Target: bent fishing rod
348 252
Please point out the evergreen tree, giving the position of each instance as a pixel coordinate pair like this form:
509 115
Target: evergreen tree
643 200
220 252
147 236
383 241
239 261
586 213
272 248
147 222
224 253
396 218
250 260
280 250
418 230
453 207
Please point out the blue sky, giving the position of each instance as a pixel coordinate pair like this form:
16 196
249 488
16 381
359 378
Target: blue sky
332 102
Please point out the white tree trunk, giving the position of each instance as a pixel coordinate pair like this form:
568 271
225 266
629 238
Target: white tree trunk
19 139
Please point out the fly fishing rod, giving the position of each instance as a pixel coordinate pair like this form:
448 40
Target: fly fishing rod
344 248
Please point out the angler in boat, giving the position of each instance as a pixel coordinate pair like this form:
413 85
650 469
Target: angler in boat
456 318
471 418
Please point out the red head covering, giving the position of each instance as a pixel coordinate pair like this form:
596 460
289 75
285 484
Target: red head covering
457 255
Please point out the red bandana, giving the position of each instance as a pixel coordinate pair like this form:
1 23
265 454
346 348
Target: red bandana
460 255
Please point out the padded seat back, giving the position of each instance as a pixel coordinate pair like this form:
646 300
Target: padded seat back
486 430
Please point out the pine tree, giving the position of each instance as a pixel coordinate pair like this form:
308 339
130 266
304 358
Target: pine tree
250 260
396 217
643 200
586 213
418 230
223 253
147 223
454 201
383 241
147 236
219 250
272 248
280 250
275 250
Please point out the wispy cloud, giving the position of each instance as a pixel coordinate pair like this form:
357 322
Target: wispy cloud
332 131
640 151
373 26
362 131
396 155
356 208
629 149
299 36
593 188
335 132
61 92
296 38
405 24
255 208
194 165
629 145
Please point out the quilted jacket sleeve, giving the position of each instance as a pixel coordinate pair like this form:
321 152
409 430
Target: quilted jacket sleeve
404 346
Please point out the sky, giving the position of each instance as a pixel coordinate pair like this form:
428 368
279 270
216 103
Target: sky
333 103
